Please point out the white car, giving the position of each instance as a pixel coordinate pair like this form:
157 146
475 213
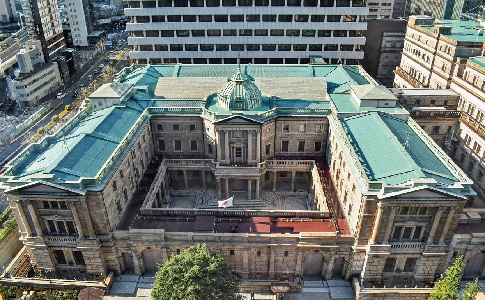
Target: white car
60 95
101 66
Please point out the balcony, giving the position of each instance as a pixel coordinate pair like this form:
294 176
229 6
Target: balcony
408 78
473 123
453 114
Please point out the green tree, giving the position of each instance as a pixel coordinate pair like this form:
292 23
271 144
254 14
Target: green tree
55 118
195 274
448 288
68 107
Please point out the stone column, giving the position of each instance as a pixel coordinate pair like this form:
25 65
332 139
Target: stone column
24 218
35 220
293 174
76 220
245 270
299 261
203 179
447 224
227 187
185 180
88 219
258 145
271 264
274 181
138 265
390 224
219 187
434 227
249 189
257 188
226 146
218 140
250 148
377 223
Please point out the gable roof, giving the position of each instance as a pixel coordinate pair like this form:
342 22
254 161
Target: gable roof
111 90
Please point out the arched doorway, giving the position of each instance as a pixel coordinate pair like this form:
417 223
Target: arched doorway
152 258
338 266
313 263
474 266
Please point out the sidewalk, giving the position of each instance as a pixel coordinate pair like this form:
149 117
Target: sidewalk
139 287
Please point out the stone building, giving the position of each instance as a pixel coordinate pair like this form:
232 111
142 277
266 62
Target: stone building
443 55
329 174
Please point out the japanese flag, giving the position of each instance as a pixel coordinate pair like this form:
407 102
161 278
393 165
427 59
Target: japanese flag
226 203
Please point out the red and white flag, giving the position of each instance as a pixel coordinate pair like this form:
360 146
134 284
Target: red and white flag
226 203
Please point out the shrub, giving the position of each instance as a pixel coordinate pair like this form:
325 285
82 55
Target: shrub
55 118
68 107
40 130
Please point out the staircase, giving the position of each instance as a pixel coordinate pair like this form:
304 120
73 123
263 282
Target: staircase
240 204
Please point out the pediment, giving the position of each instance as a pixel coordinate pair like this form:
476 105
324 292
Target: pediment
423 193
42 187
239 120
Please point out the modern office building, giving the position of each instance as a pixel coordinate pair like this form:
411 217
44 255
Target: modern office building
8 12
443 54
440 9
384 42
80 21
380 9
329 174
44 23
260 31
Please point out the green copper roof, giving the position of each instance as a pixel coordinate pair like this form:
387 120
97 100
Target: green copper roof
462 30
479 60
391 151
85 149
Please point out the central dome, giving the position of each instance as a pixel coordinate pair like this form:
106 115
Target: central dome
240 93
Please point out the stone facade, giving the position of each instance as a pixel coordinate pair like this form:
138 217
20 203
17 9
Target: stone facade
305 202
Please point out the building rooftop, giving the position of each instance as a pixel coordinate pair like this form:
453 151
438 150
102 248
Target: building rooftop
478 60
92 144
391 151
461 30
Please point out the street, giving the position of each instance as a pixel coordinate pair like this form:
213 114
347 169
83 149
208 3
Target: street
58 104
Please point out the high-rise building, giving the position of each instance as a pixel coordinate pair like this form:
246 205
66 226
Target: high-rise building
80 21
444 54
44 23
8 11
259 31
380 9
439 9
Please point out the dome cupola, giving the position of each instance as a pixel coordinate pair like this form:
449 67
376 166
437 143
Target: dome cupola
240 93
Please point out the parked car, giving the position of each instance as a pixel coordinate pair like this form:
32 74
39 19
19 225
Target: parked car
96 71
61 95
101 66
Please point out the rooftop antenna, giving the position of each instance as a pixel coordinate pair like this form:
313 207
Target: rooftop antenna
239 60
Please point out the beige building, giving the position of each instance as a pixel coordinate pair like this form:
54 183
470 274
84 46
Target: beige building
442 54
329 174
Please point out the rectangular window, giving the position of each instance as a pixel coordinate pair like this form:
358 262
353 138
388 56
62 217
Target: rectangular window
318 147
277 32
160 127
237 18
192 127
175 127
205 18
268 149
229 32
269 18
302 128
333 18
177 145
209 148
238 152
197 33
301 18
78 258
396 235
193 145
161 145
406 235
60 258
318 18
174 18
221 18
284 146
213 32
61 228
189 18
222 47
286 128
301 146
71 228
410 264
191 47
253 18
285 18
245 32
237 47
390 264
436 129
261 32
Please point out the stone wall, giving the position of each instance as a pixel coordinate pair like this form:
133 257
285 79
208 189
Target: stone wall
389 294
9 247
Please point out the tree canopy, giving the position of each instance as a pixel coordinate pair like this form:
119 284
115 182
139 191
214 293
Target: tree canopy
448 288
196 274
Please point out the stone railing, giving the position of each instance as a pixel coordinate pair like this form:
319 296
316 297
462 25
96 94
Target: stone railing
179 163
273 164
435 114
232 213
157 181
409 246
